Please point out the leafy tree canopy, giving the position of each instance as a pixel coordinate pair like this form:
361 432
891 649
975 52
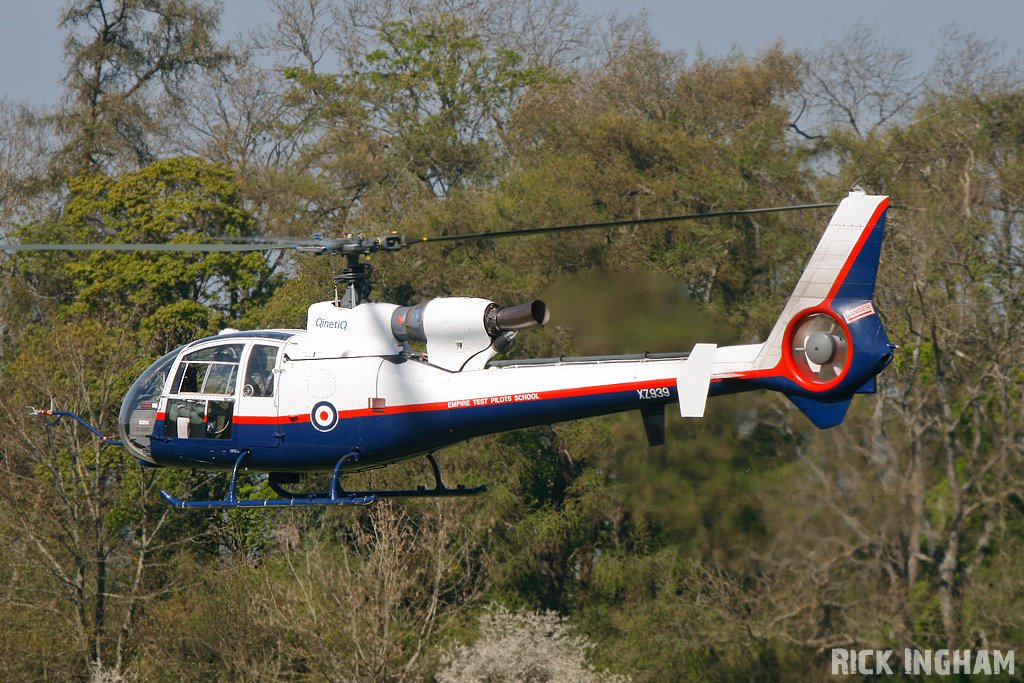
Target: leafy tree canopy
171 295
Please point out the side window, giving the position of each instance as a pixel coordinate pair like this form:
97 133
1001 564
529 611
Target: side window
185 419
259 372
212 370
189 418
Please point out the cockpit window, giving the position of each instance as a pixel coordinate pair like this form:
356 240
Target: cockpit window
209 371
225 353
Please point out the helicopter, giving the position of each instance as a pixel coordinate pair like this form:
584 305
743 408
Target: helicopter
349 393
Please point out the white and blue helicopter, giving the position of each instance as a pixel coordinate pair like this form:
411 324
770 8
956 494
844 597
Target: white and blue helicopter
349 393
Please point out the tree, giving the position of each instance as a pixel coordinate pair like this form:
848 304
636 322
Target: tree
958 293
859 85
171 296
118 53
918 500
742 549
362 597
431 96
82 533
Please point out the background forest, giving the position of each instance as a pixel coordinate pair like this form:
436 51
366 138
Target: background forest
744 549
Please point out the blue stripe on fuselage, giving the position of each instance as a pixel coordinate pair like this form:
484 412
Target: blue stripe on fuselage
386 437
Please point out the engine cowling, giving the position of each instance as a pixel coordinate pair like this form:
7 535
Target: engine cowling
464 333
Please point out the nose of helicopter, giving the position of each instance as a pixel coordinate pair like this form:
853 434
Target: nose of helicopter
137 417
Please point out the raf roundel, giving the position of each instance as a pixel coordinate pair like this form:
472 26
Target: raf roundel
324 416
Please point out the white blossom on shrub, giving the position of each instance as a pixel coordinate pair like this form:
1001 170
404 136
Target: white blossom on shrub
97 674
524 647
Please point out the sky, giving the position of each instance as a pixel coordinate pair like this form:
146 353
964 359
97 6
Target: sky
30 40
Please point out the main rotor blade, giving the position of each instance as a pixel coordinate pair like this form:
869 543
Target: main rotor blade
358 245
8 246
612 224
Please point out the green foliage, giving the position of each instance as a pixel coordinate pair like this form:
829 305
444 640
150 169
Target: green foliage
714 137
118 53
78 518
441 93
424 107
169 296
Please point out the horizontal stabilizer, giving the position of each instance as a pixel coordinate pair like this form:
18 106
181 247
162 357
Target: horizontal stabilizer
823 414
695 379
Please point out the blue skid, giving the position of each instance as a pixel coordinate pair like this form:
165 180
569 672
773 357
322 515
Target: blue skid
336 496
268 502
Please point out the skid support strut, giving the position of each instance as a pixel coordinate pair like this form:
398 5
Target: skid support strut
439 489
336 496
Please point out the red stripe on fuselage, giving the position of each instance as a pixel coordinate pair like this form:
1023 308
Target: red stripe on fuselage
458 404
269 419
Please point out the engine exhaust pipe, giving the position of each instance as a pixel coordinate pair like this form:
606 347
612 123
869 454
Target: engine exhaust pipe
510 318
408 323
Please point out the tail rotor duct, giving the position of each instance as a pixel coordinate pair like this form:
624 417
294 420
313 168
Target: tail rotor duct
819 348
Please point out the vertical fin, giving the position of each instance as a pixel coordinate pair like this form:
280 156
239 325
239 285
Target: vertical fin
695 379
654 424
844 266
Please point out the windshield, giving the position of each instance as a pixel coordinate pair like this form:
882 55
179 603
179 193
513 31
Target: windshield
138 411
212 370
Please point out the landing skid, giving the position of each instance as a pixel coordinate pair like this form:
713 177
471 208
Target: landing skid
336 496
439 490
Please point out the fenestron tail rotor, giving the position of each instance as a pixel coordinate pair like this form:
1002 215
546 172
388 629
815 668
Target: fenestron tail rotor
819 347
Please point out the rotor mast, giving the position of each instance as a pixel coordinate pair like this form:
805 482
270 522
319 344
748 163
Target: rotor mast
355 275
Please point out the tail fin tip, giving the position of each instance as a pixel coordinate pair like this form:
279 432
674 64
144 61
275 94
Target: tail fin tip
823 414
